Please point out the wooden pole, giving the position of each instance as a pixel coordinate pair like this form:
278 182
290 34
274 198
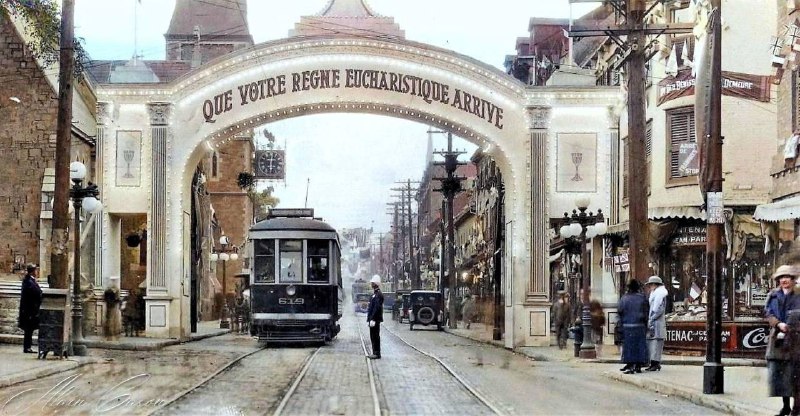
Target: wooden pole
637 159
60 238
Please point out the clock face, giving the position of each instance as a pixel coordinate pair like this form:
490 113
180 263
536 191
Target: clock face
270 163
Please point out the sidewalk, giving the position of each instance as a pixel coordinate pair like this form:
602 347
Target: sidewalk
17 367
745 380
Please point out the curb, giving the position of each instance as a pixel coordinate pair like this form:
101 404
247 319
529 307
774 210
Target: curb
59 367
117 345
716 402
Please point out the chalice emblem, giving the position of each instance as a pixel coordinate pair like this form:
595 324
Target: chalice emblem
128 155
577 157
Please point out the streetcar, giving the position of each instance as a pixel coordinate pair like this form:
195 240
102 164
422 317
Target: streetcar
360 287
296 289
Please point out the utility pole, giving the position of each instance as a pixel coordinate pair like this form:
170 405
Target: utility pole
412 258
66 72
631 36
450 187
710 179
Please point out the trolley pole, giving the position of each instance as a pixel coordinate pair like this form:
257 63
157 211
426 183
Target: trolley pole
450 187
711 183
60 238
631 35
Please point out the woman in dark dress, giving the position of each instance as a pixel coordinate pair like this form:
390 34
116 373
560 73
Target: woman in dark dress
633 311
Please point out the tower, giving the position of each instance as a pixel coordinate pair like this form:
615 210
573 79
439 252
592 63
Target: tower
215 27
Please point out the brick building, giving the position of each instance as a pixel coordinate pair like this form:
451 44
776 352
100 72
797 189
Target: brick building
29 107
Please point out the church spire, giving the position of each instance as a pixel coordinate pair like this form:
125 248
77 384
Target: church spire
348 18
220 25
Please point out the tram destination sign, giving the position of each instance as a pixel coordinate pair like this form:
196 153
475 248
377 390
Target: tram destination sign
428 90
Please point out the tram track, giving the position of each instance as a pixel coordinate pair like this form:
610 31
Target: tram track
472 390
175 398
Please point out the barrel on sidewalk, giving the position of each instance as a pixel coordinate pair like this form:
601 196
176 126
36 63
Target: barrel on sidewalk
53 333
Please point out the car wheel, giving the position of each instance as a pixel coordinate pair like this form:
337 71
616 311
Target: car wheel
426 315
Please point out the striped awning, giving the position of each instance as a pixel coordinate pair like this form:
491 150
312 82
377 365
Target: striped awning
787 209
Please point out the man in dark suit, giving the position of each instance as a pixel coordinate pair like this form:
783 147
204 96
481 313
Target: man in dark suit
29 304
375 317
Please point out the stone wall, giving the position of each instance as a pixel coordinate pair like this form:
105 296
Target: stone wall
27 137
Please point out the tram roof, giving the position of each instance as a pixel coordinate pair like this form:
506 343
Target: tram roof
292 224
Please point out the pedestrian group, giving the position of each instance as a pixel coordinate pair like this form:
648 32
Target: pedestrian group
644 326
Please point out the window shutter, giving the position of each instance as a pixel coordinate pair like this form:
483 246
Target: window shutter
625 168
680 123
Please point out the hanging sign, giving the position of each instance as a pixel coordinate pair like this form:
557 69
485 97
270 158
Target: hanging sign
734 84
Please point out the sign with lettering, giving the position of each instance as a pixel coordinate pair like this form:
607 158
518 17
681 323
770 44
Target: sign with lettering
428 90
738 338
690 236
735 84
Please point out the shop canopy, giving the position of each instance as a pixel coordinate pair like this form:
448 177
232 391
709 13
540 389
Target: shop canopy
787 209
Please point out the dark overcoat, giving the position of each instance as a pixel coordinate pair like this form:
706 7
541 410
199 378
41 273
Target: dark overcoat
633 313
375 310
29 303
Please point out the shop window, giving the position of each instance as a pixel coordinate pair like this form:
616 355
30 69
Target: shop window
264 251
682 147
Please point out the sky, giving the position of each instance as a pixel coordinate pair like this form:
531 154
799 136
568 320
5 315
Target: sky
320 149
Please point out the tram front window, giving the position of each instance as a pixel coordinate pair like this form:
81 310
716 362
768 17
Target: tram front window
264 261
317 261
291 261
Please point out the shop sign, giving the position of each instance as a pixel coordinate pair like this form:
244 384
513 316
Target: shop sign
737 337
758 297
690 236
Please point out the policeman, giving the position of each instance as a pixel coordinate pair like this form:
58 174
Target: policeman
375 317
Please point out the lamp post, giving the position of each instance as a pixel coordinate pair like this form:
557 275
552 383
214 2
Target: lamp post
86 198
224 254
583 226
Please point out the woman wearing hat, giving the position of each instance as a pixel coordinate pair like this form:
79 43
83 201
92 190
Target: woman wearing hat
656 322
633 318
780 374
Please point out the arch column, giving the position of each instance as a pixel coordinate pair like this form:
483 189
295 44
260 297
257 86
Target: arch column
104 112
537 302
159 299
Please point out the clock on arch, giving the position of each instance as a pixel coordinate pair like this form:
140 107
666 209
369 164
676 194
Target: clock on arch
270 164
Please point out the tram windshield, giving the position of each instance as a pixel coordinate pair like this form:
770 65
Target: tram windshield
291 255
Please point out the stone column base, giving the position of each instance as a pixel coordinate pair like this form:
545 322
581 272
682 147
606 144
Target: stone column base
533 324
157 316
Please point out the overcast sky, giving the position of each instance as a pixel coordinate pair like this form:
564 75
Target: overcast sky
332 152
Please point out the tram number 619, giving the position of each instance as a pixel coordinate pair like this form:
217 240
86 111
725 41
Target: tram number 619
289 301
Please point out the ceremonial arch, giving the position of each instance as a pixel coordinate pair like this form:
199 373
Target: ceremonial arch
179 122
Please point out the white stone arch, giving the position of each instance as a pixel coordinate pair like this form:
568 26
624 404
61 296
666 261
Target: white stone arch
179 134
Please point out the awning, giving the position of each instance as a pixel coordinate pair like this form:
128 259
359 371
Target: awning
787 209
691 212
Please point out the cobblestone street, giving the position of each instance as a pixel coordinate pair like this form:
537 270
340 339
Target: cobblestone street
233 375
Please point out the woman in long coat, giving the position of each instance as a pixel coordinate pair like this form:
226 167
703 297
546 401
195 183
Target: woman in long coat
779 364
793 339
656 322
633 310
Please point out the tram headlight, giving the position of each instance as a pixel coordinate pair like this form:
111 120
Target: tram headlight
291 290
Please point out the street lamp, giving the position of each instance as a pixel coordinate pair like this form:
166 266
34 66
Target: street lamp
224 254
87 199
583 226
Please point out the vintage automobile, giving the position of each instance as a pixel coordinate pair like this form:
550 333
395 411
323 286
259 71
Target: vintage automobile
361 303
401 306
427 308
